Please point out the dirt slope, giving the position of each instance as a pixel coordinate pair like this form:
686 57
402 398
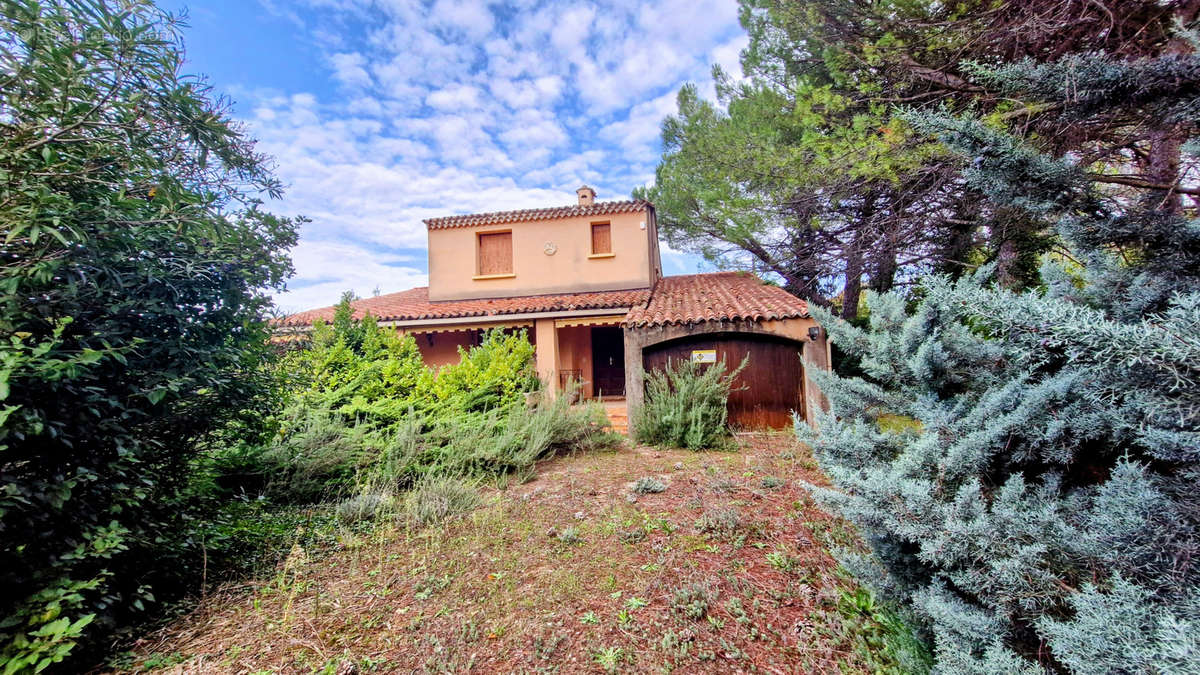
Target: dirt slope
724 571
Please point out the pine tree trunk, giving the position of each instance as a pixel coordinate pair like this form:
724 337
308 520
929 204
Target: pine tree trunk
1162 167
852 291
883 272
955 252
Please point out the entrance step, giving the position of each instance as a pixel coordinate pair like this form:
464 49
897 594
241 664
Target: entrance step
618 416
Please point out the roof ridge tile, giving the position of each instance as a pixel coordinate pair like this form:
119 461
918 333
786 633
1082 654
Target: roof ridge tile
547 213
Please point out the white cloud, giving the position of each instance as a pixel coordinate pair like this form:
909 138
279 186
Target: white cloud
729 55
455 97
639 133
470 16
344 267
454 106
349 69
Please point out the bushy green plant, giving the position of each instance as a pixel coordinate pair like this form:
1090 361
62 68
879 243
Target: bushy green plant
359 371
649 485
316 455
1041 514
437 498
692 601
367 414
363 507
685 406
512 439
135 272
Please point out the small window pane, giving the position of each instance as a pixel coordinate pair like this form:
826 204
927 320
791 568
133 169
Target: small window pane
601 238
495 253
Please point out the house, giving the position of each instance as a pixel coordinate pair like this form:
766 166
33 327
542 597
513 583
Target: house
586 282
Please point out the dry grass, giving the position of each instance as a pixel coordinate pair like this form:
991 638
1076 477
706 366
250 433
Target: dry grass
566 573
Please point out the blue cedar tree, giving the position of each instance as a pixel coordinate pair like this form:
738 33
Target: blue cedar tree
1040 512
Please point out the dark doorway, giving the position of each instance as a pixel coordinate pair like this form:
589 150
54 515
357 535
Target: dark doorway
608 361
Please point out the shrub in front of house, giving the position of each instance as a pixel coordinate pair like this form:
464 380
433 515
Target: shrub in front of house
685 406
367 417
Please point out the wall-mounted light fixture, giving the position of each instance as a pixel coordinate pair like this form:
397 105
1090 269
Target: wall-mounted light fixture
814 333
429 339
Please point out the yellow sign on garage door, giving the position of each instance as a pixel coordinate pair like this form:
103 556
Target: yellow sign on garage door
704 356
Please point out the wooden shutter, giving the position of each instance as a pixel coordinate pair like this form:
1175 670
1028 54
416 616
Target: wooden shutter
495 253
601 238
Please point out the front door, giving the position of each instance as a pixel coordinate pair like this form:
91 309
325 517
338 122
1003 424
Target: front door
608 361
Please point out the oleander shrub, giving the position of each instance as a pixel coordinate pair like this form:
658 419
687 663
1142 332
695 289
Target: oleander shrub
135 269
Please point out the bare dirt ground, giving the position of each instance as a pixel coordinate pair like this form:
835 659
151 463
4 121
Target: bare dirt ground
727 570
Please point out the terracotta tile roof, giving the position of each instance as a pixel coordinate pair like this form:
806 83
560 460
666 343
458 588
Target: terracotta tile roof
552 213
414 305
695 298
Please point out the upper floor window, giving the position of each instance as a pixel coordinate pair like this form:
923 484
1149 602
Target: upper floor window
601 238
495 253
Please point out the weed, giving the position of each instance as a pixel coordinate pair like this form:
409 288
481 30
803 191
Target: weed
691 601
661 524
722 521
570 536
590 619
544 648
730 651
609 658
715 623
636 603
426 587
737 611
724 484
363 507
624 618
783 562
879 635
468 631
433 500
649 485
633 536
771 482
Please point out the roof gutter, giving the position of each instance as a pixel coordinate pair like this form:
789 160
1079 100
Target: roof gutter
480 318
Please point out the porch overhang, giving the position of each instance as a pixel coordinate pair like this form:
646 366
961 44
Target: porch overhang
609 316
609 320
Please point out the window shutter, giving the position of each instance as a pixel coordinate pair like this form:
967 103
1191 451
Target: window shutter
601 238
495 253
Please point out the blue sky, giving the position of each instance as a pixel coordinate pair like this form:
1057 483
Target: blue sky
383 112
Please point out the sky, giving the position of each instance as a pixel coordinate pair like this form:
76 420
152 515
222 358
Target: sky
380 113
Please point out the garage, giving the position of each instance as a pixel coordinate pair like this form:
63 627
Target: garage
765 393
731 316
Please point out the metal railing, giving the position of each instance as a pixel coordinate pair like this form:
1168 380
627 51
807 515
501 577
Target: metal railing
567 377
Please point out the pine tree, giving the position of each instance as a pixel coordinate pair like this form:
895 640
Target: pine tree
798 170
1038 511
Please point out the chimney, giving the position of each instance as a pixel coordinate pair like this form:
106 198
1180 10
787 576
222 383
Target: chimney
587 196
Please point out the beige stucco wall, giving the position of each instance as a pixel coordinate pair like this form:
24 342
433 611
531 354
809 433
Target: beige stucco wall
575 353
634 263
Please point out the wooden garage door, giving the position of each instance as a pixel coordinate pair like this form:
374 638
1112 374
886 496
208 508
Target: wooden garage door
767 391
